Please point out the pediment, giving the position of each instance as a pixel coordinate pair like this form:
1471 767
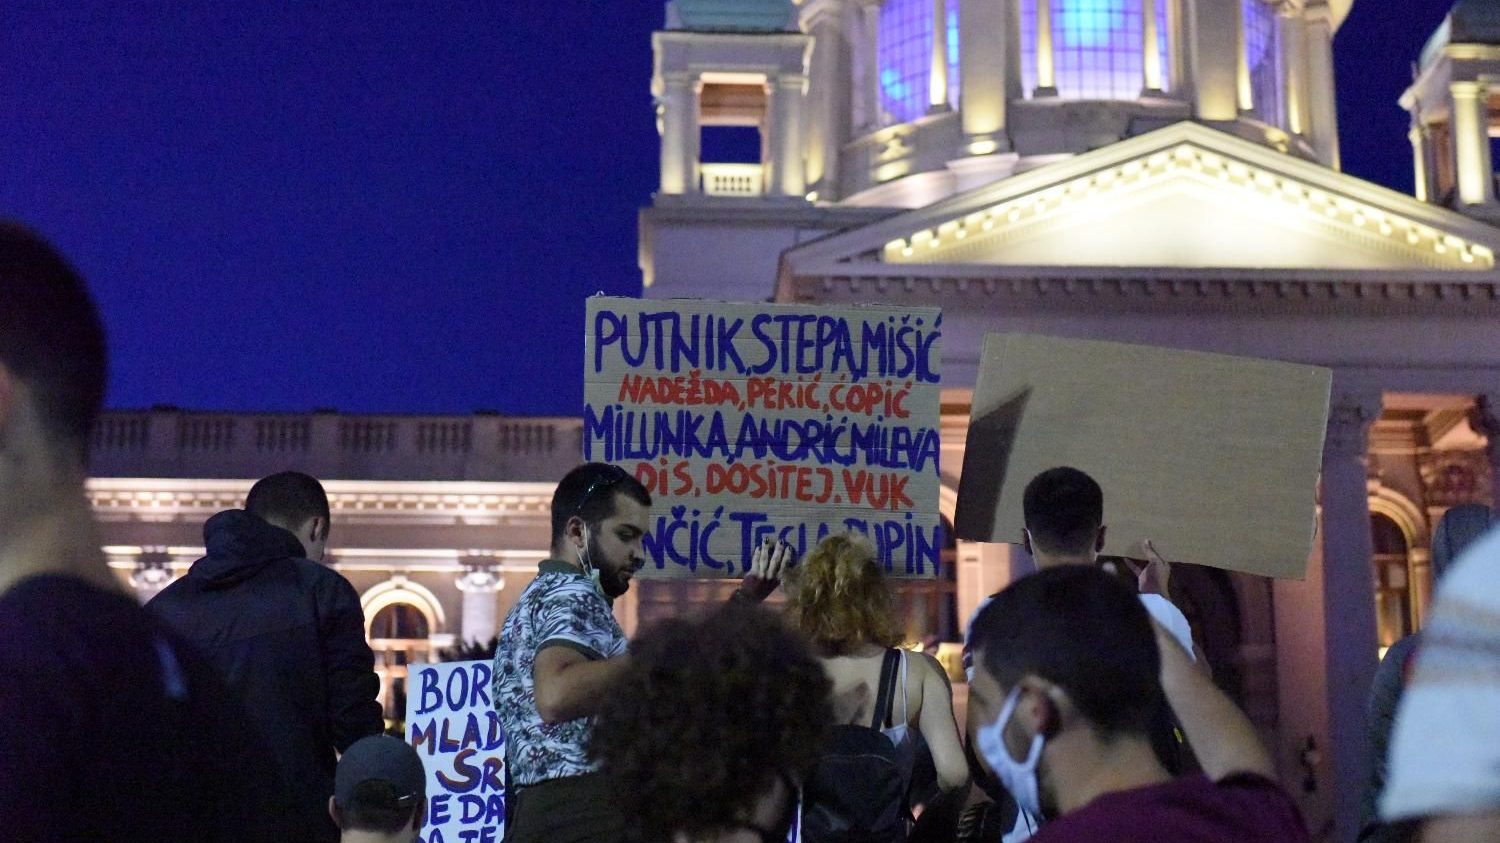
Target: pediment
1185 196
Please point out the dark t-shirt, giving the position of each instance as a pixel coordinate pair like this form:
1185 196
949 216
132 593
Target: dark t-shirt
1238 809
111 729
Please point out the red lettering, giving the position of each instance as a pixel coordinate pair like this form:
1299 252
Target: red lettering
684 478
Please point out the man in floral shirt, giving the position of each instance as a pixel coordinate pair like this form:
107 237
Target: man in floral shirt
561 650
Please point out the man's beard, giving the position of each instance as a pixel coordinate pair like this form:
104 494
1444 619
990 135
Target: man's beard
611 579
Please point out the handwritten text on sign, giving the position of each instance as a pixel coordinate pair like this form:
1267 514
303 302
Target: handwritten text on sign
453 725
748 421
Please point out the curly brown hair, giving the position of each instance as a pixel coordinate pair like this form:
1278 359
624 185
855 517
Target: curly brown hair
838 597
709 714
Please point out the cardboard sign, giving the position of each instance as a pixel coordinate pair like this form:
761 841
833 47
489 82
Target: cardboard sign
452 723
1213 458
753 420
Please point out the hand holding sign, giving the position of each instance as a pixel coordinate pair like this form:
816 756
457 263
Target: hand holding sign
769 561
1155 576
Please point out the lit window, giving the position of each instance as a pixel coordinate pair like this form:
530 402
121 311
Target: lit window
953 79
1098 46
1262 53
1393 611
1162 28
1028 46
905 40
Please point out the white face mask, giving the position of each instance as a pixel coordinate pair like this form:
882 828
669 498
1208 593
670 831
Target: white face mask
1018 777
585 561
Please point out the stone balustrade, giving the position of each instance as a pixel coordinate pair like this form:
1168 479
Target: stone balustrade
167 442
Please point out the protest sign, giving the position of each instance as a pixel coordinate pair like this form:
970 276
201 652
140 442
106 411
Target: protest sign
753 420
1213 458
451 721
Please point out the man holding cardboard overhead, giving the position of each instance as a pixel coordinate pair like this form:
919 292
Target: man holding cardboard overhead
1064 517
1069 672
562 651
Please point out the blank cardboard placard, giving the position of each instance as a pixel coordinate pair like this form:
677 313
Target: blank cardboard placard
1214 458
748 421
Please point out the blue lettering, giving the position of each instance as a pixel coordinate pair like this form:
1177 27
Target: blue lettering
429 692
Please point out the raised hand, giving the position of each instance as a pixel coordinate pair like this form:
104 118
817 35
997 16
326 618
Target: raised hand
767 564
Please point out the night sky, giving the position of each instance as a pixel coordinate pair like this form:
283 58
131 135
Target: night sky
382 207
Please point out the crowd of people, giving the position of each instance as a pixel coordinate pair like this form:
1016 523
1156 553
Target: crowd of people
240 703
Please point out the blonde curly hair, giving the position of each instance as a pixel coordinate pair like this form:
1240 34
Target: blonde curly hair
839 599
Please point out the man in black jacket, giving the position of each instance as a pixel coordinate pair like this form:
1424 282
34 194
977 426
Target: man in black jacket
288 635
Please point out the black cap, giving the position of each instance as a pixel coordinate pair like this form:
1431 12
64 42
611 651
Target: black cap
380 758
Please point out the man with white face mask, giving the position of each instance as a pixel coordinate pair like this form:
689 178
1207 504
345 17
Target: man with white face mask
1069 671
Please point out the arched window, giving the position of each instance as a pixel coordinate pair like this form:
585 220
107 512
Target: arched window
399 620
1392 588
399 637
905 44
1263 57
1098 46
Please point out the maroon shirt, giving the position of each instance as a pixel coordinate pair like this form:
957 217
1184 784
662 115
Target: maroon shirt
1241 808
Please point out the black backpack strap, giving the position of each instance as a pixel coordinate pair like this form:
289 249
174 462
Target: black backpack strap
889 668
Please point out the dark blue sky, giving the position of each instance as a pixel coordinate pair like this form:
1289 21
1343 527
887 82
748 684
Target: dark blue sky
382 207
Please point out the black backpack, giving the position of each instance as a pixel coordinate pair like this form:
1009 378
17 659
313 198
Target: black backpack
857 793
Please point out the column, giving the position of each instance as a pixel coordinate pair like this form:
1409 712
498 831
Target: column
789 177
1244 90
1419 159
864 40
1011 42
1178 74
1471 143
937 85
1348 600
828 94
479 585
1323 122
985 568
1294 68
1213 39
984 76
1484 418
679 134
1152 66
1046 59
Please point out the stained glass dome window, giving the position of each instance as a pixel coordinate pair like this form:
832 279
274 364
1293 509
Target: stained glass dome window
1262 54
905 41
1098 46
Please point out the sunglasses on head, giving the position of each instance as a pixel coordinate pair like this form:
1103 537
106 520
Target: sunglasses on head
613 476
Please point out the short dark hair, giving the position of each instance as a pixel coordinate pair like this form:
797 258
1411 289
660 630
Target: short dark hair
51 336
708 715
375 806
588 492
1084 630
1064 509
289 497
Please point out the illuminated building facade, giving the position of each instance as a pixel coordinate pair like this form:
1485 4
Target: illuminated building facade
1156 171
438 521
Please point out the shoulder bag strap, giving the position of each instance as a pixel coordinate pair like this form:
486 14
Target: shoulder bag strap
888 667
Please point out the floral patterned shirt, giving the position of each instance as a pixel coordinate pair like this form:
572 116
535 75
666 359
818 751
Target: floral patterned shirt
560 608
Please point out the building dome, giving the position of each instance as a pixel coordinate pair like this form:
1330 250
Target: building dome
1476 22
1469 22
731 15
